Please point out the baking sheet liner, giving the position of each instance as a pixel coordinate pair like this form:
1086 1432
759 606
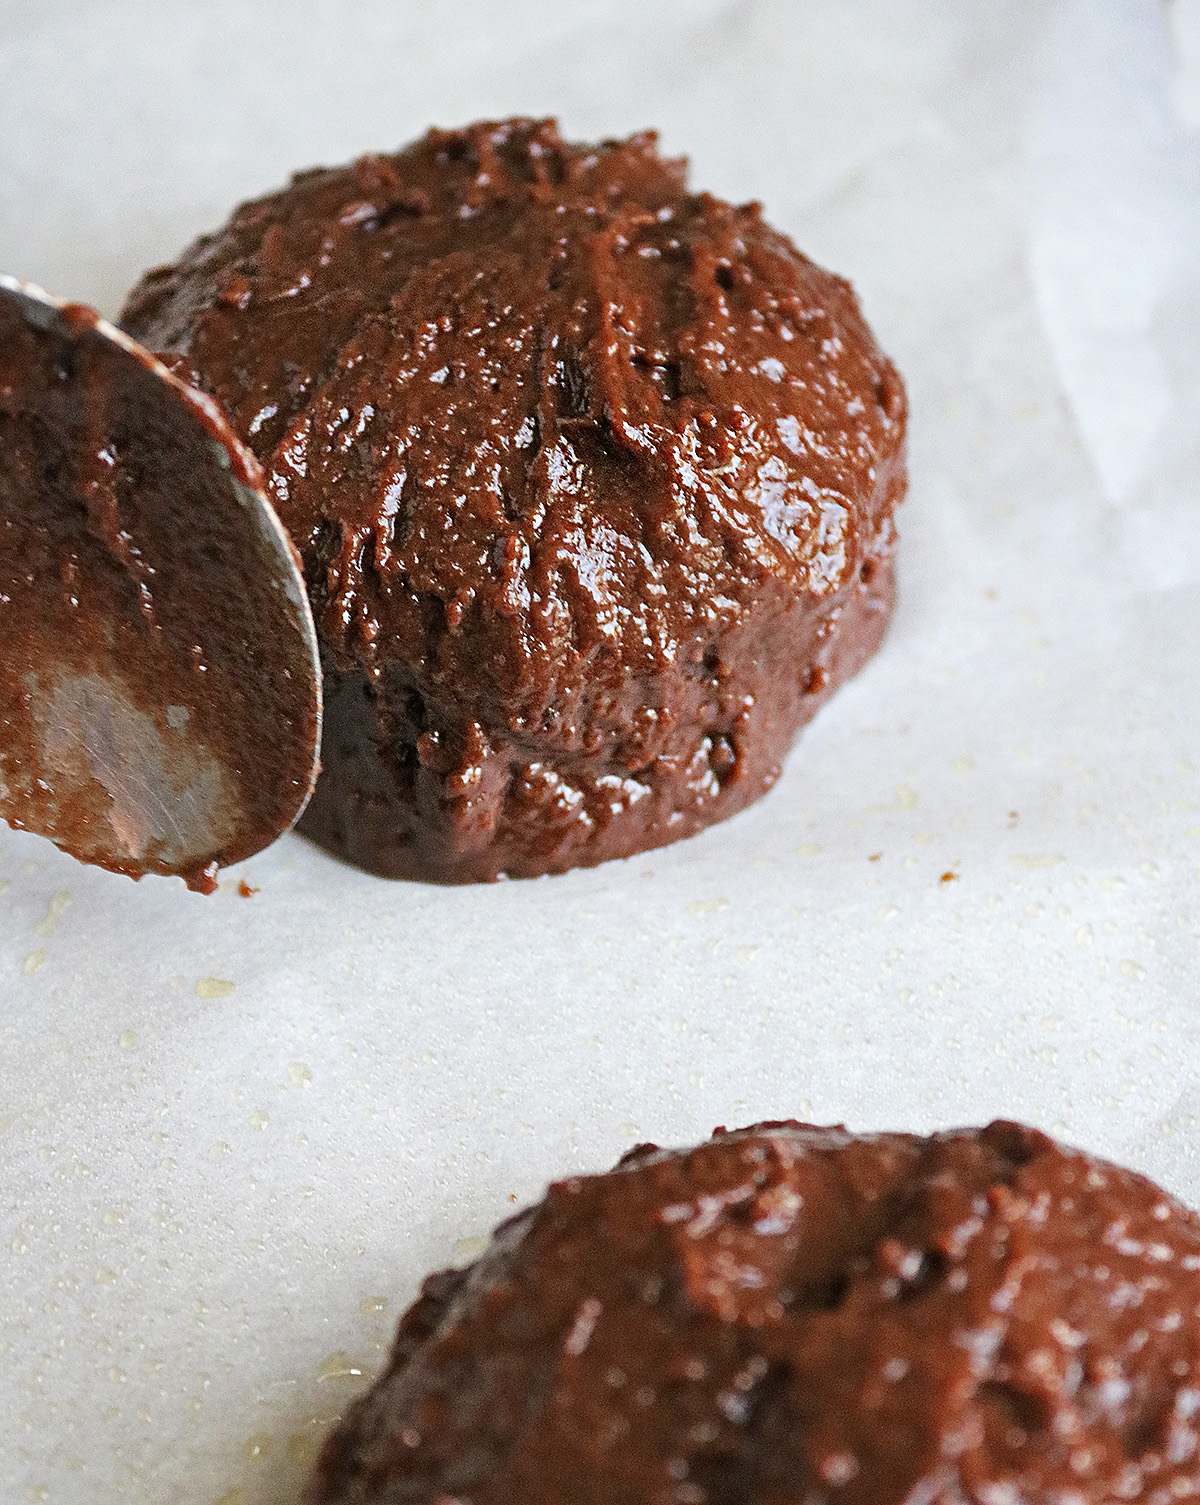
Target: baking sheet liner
235 1132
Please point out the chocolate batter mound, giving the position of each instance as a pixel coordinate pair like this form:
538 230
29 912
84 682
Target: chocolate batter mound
593 479
790 1315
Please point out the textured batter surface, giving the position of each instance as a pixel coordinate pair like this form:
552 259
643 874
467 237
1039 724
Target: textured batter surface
593 479
790 1315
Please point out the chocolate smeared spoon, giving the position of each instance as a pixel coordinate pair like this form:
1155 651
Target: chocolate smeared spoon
160 685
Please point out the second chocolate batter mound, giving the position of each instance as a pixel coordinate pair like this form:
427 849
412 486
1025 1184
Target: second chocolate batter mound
799 1316
593 478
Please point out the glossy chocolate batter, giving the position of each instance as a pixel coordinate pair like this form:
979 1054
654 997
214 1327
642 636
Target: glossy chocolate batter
593 479
790 1315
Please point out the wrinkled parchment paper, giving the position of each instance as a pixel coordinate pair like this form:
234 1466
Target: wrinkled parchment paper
235 1132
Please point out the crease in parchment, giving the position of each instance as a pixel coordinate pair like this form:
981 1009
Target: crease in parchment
1115 189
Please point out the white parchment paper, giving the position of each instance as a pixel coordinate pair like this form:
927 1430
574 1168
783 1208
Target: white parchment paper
235 1132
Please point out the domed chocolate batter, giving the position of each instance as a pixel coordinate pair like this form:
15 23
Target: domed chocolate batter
799 1316
593 479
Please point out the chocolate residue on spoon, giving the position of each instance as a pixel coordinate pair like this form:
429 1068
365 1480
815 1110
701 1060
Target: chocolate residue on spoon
160 686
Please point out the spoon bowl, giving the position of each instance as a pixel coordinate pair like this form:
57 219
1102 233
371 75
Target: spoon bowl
160 683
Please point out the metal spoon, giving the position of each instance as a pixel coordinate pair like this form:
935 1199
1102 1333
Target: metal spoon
160 685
